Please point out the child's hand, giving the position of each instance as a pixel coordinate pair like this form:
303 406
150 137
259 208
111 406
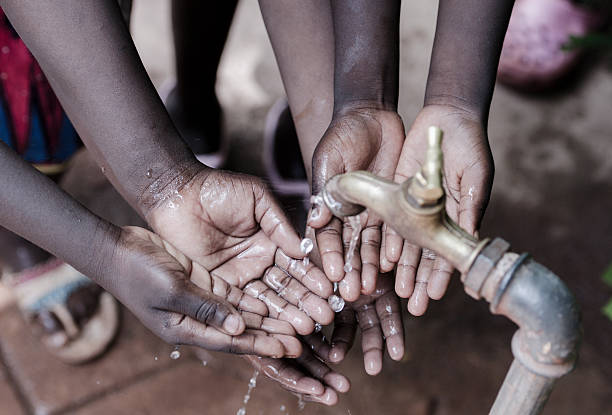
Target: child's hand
357 139
158 284
380 319
307 375
468 177
231 225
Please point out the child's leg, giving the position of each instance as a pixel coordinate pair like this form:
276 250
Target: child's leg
200 30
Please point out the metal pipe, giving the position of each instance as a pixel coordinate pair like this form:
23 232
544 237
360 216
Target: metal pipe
546 345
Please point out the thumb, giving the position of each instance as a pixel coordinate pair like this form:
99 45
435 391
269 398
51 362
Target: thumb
325 165
210 309
275 224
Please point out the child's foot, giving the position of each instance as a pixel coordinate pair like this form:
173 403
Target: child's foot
533 56
201 131
74 318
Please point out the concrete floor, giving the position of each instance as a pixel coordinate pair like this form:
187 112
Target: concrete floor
552 197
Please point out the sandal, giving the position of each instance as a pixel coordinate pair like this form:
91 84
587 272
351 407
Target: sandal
533 56
75 319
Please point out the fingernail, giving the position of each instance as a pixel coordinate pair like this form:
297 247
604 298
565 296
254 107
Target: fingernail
232 324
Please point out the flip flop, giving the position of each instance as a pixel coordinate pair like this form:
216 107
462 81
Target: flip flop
282 156
533 56
75 319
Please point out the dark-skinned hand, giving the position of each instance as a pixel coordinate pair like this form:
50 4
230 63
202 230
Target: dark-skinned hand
468 177
181 302
231 225
358 138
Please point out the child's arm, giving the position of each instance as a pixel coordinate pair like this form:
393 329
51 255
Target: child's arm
468 42
217 219
145 273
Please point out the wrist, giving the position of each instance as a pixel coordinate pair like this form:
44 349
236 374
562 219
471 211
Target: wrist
468 108
344 106
165 183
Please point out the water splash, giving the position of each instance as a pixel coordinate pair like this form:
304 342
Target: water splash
355 223
306 247
301 403
247 396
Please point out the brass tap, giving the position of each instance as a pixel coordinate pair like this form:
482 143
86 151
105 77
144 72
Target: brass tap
414 209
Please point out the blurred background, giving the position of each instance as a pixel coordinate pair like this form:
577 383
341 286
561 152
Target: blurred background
552 197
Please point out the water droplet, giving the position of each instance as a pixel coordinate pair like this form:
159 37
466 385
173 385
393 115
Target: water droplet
97 382
204 363
103 169
348 267
175 354
5 49
306 261
336 303
149 173
282 408
247 396
155 358
306 245
241 411
318 327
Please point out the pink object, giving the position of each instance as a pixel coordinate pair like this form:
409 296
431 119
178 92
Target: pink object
532 56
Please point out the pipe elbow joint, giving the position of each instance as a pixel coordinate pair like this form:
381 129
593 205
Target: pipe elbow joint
548 317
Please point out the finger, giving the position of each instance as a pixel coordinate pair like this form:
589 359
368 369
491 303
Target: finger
371 339
310 275
295 293
275 223
350 286
319 346
269 325
319 214
322 372
385 264
393 245
279 308
475 193
329 397
345 326
370 257
406 270
195 333
288 375
206 308
440 277
291 345
417 304
236 297
329 241
390 315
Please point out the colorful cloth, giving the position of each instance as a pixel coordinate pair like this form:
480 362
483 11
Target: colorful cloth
32 121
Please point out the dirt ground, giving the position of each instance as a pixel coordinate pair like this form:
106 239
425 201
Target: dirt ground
552 197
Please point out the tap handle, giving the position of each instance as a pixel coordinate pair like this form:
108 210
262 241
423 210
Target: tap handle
426 188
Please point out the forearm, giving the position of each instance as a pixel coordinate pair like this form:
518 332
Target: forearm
467 45
88 56
366 53
35 208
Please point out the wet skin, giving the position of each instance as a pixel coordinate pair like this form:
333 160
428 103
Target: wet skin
103 87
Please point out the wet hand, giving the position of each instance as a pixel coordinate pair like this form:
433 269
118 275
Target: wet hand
379 318
306 375
357 139
468 177
231 225
181 302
